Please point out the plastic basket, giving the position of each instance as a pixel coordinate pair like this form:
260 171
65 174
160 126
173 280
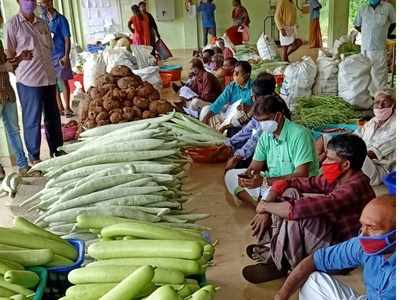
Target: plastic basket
390 183
57 280
166 79
174 70
40 289
348 128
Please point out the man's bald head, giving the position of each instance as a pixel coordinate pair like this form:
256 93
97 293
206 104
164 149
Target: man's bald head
379 216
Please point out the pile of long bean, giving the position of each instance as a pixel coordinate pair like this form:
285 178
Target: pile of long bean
317 111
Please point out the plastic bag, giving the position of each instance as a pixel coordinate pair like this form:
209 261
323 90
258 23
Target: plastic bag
143 56
151 75
162 50
299 80
326 83
267 48
119 57
354 80
77 96
93 68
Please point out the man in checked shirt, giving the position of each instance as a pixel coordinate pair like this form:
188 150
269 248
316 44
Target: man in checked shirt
301 215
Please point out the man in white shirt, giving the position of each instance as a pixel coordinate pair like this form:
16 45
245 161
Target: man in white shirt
380 136
375 20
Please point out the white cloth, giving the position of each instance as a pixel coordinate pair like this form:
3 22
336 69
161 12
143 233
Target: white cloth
290 36
232 185
321 286
187 93
374 25
374 171
379 70
197 104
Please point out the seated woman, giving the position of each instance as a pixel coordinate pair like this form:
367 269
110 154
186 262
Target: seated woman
284 150
229 68
225 50
379 134
206 56
236 93
217 62
201 90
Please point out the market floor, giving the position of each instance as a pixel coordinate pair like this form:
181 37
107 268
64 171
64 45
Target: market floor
229 222
230 227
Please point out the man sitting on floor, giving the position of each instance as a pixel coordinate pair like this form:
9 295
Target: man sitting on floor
380 136
238 91
285 149
201 90
242 144
374 250
291 225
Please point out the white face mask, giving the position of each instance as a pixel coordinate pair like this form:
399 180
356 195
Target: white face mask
269 126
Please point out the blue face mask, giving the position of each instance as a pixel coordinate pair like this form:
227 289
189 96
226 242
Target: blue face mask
374 3
378 245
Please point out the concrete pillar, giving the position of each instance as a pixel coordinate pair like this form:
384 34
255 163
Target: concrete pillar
338 20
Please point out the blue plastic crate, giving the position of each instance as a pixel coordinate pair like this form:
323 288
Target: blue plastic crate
170 67
95 48
317 132
57 281
390 183
79 245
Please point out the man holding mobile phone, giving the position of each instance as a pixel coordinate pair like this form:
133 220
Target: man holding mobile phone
36 79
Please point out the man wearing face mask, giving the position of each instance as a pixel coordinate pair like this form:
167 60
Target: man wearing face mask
374 250
375 21
284 149
239 90
379 134
36 79
301 215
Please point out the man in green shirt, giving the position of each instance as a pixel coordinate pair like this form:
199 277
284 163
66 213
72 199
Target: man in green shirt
284 150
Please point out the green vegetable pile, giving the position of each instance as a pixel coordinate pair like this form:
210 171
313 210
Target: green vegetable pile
246 52
348 49
318 111
265 66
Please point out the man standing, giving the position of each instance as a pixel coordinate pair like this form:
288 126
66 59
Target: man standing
286 22
315 37
207 9
375 20
374 250
60 31
152 25
36 79
8 108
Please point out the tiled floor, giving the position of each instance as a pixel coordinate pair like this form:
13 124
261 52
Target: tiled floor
230 225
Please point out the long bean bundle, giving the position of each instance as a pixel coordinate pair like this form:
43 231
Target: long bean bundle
317 111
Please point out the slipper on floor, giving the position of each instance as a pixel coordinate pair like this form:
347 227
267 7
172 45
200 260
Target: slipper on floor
253 251
262 272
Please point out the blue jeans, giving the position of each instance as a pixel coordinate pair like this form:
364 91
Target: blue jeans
8 112
35 102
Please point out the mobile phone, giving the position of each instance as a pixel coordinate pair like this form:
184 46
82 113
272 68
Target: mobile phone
244 176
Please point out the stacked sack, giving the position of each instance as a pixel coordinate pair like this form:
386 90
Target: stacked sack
299 80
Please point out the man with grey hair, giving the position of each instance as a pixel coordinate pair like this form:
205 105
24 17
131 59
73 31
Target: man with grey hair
380 136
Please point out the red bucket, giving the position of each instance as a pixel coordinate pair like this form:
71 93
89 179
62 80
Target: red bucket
166 79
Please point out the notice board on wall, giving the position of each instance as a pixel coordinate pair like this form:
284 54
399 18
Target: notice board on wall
99 18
